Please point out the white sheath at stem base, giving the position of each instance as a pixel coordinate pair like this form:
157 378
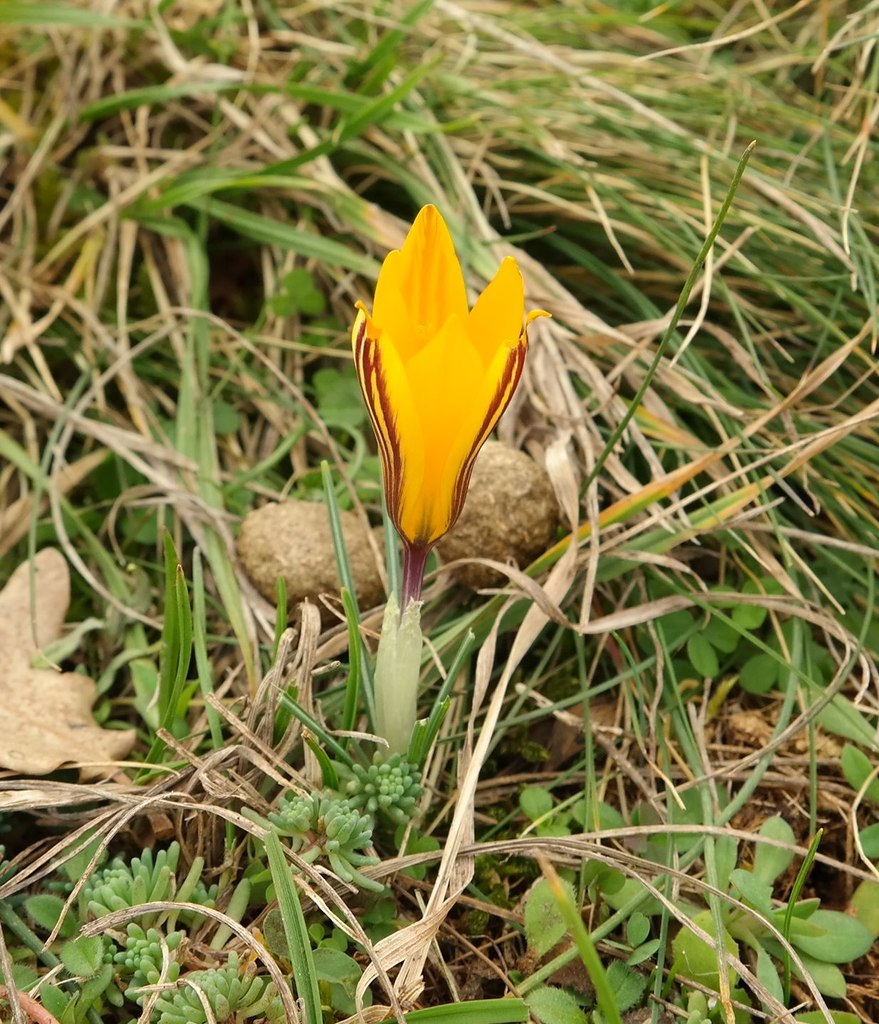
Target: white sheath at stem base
397 669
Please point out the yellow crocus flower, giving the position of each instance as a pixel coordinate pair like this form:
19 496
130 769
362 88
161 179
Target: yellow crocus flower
436 376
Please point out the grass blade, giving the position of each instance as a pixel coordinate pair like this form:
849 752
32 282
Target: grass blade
200 648
476 1011
30 14
683 299
347 580
295 929
355 659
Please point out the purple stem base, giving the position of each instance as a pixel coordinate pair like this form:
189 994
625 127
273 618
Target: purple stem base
414 562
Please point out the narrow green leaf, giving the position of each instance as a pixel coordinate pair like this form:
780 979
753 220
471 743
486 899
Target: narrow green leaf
383 54
355 662
184 615
328 741
274 232
328 772
376 110
584 942
837 1016
200 649
476 1011
37 13
346 578
427 731
680 306
156 95
792 905
176 647
196 439
295 930
170 654
190 186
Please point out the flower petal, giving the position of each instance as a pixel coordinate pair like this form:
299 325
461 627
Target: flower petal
459 404
381 405
446 376
499 384
420 286
497 317
436 378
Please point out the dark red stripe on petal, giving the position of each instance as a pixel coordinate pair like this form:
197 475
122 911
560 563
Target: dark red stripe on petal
373 384
499 402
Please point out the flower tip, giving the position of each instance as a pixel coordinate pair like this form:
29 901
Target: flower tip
360 326
536 314
430 226
426 219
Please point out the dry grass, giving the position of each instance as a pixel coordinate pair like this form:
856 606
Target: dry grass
162 175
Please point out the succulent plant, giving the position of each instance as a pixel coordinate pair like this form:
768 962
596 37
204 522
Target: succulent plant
233 993
391 788
143 879
327 825
140 962
295 815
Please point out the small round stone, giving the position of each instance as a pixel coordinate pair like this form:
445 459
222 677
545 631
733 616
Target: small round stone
510 515
292 539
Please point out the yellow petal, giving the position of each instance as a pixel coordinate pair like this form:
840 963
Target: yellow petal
390 308
447 376
496 390
382 405
497 317
436 378
421 285
449 404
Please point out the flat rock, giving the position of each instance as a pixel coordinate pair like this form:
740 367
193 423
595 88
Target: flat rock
510 515
292 539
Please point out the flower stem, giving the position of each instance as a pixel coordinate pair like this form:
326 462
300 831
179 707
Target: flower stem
397 669
414 562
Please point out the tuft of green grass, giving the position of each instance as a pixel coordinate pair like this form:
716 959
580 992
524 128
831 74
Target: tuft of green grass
192 202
